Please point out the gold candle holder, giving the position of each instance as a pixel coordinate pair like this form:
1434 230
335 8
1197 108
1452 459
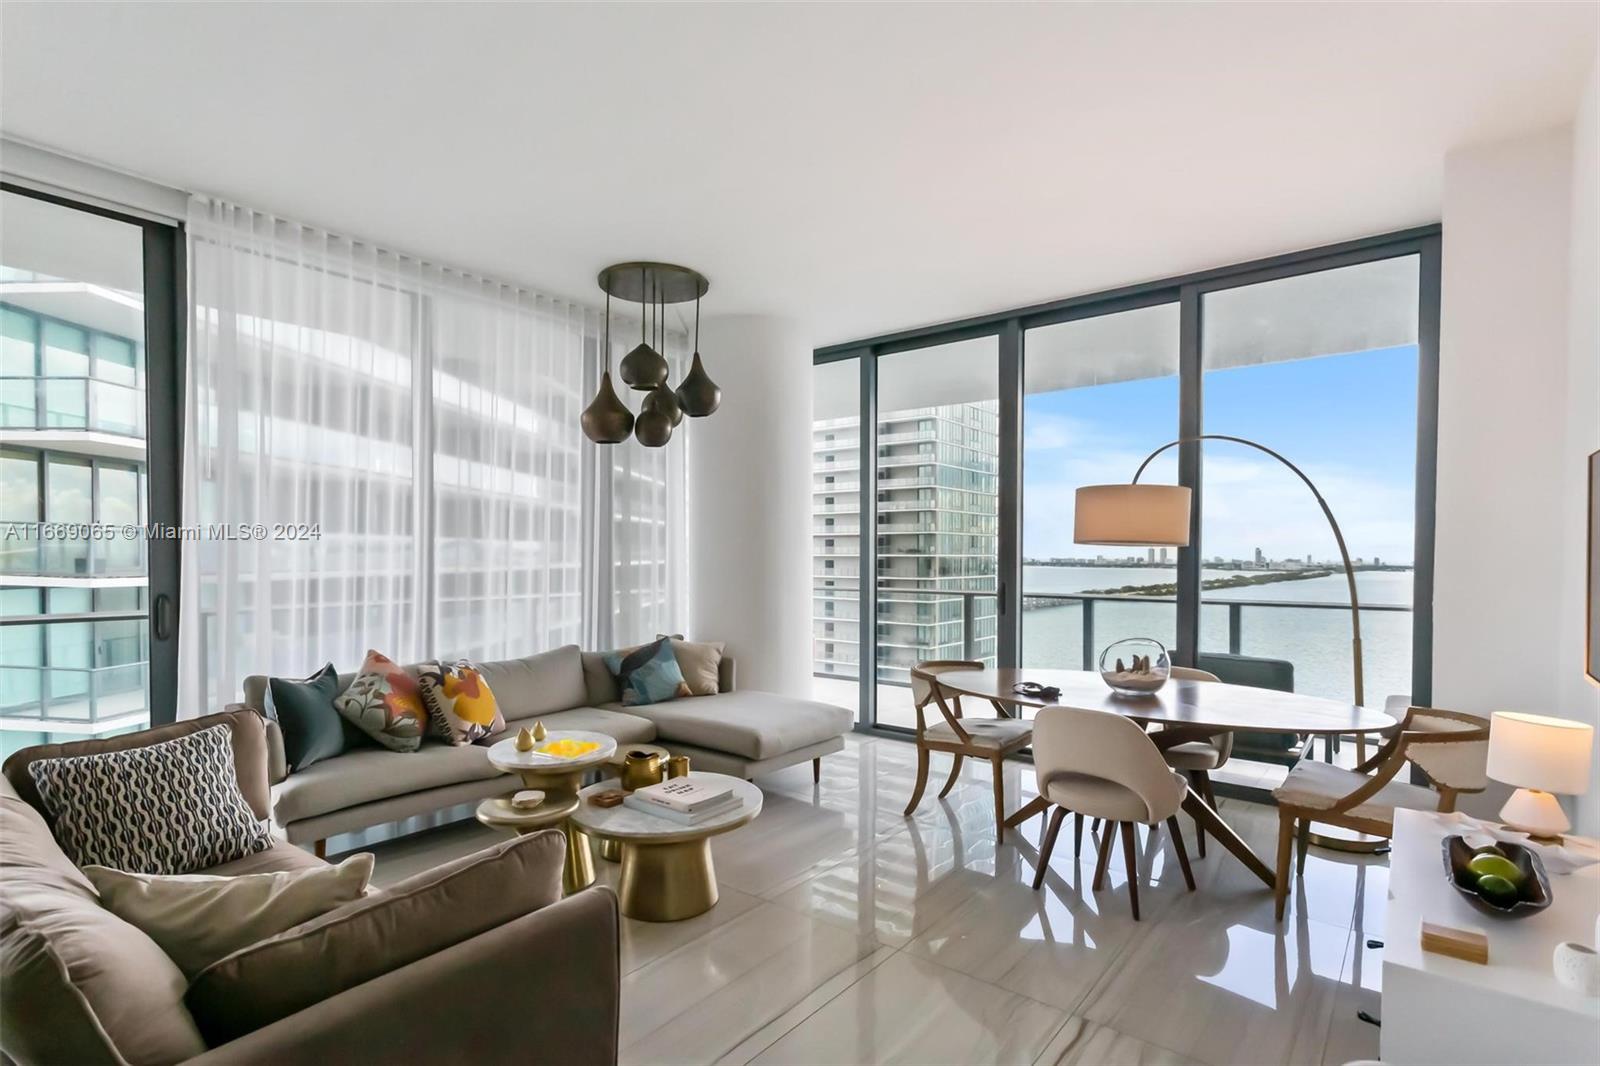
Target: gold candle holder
678 766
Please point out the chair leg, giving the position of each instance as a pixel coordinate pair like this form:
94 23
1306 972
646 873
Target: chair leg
1131 859
1049 846
999 800
1183 854
816 770
955 771
1302 840
1077 835
922 779
1103 858
1198 779
1285 840
321 848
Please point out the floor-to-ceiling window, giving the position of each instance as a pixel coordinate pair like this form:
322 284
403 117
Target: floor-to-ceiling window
1328 357
75 561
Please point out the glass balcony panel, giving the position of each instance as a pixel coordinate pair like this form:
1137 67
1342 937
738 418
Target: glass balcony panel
19 403
66 403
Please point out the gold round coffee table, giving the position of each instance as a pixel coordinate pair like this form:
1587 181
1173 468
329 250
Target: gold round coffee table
667 873
560 780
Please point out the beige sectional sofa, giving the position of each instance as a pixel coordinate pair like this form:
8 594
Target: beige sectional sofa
83 986
739 732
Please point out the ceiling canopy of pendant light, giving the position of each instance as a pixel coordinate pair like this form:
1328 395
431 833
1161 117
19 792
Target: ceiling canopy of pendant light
607 420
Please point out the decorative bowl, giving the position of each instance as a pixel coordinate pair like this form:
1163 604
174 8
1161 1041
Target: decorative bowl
1535 895
1137 666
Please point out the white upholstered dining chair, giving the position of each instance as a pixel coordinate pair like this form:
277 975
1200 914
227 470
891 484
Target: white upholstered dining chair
1195 759
990 739
1449 747
1101 765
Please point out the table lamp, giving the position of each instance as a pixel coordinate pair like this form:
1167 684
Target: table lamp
1540 756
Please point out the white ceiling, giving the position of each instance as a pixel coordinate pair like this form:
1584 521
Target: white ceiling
859 168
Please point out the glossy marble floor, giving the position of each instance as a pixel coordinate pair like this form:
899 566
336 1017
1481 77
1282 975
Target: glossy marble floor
847 933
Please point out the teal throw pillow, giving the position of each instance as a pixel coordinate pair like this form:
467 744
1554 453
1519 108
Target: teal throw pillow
647 674
312 728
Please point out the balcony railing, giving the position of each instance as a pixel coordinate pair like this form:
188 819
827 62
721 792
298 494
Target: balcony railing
75 699
30 402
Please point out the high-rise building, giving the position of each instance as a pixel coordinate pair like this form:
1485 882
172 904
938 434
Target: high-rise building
72 456
937 494
1261 558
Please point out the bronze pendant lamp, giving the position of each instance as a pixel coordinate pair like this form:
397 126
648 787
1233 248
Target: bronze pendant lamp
607 419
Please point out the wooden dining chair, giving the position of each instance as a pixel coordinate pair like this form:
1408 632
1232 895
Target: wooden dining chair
991 739
1449 747
1101 765
1195 759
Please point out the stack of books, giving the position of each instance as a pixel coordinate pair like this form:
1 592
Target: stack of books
685 800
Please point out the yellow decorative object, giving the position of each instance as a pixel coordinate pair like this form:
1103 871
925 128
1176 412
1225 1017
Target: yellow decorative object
524 739
539 732
569 749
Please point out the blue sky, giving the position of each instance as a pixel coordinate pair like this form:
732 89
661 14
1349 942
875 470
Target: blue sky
1348 420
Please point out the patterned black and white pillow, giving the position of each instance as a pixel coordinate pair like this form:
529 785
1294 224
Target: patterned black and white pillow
168 808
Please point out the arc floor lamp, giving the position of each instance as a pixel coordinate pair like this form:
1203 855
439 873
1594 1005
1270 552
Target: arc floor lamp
1158 516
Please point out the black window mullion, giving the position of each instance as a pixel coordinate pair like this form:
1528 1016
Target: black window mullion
1190 425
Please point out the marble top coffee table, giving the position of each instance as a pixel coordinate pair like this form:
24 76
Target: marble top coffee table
667 874
560 779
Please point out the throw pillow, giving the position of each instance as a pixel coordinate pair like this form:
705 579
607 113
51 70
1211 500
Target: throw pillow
312 729
700 663
198 919
353 944
647 674
167 808
385 704
461 706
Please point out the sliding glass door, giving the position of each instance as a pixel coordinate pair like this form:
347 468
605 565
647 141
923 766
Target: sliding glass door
980 432
85 595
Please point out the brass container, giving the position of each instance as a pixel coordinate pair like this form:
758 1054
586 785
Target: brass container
678 766
641 768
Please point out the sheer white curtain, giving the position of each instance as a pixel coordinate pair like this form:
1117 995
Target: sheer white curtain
382 452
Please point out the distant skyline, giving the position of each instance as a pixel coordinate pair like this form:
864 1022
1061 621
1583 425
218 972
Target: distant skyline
1347 420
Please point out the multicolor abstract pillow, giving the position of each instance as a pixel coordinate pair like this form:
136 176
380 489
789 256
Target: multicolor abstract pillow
461 706
647 674
385 703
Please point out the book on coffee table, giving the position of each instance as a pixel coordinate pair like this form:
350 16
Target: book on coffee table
703 814
684 795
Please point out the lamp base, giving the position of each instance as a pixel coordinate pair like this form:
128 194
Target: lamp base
1536 813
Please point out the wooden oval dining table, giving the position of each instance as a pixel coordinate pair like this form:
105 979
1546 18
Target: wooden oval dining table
1186 710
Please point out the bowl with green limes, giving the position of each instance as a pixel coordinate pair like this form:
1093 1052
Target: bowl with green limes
1506 880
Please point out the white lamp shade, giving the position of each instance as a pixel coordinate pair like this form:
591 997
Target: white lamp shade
1144 516
1535 751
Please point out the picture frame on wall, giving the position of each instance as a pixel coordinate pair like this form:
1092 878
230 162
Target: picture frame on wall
1592 659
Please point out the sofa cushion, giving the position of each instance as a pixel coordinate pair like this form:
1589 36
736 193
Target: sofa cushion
409 921
373 774
755 725
249 738
537 684
623 726
167 808
385 703
281 856
648 674
199 918
81 985
700 662
461 706
303 708
598 683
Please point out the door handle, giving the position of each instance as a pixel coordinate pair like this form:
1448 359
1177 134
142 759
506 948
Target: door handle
161 617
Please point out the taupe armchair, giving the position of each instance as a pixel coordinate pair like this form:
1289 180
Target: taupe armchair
1449 747
1195 759
1102 765
991 739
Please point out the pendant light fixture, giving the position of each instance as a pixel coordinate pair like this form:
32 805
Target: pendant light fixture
645 369
698 396
607 419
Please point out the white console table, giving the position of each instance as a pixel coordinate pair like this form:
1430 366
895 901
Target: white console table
1442 1010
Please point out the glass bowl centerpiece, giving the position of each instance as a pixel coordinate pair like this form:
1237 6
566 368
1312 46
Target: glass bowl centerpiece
1136 666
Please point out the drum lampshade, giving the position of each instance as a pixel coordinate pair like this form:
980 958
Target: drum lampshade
1153 516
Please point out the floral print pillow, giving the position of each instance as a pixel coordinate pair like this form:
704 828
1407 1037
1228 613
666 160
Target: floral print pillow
461 706
385 703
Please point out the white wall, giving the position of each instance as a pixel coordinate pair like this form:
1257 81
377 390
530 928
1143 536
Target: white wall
750 502
1509 564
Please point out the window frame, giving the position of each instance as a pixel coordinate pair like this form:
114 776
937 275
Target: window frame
1187 292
